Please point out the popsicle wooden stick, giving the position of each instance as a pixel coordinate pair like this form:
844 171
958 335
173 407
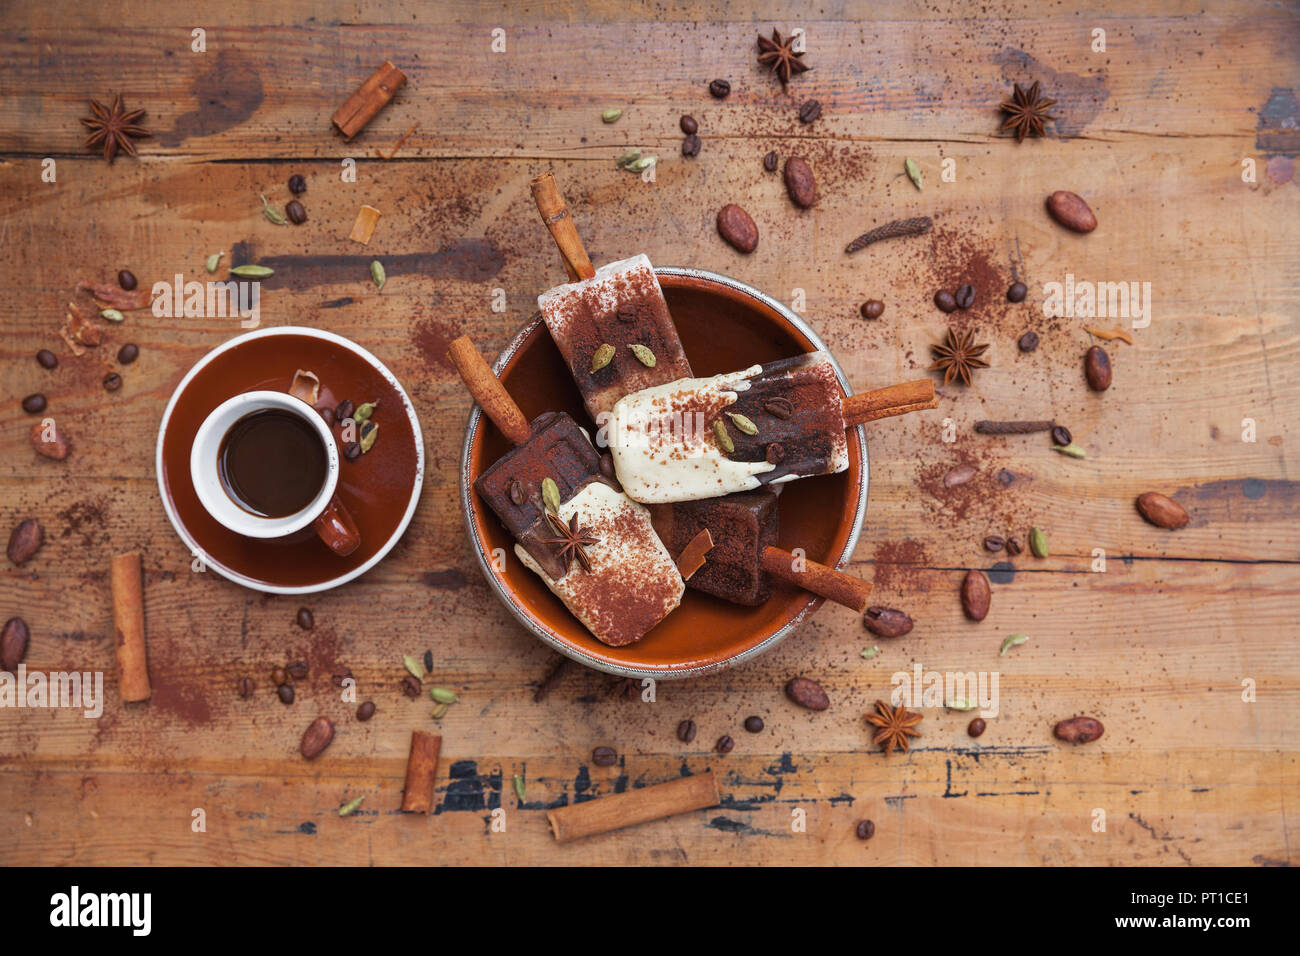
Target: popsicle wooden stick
887 402
590 817
556 216
488 391
830 583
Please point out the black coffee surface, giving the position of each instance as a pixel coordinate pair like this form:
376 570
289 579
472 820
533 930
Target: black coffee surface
272 463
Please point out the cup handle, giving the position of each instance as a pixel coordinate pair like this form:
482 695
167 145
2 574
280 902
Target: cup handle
337 528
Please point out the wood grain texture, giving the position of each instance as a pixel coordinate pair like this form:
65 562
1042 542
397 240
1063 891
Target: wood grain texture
1153 134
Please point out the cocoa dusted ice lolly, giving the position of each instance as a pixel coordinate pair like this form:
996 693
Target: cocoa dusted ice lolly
594 547
744 561
770 423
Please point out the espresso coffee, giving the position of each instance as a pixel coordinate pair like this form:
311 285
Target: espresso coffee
272 463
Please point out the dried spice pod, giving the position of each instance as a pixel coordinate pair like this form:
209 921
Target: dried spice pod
975 595
1078 730
807 693
1162 511
886 621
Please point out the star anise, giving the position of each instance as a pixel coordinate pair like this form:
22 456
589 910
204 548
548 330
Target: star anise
895 725
573 540
957 357
778 55
114 128
1026 112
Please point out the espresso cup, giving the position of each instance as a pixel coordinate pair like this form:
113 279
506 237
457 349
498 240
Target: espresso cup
325 513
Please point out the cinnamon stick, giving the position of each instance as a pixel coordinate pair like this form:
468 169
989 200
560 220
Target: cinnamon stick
488 391
828 582
887 402
693 556
128 624
421 768
635 806
556 216
371 97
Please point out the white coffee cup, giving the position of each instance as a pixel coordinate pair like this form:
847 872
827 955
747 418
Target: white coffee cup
328 515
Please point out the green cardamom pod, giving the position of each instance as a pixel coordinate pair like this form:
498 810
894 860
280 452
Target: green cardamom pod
212 261
1038 542
961 703
363 413
414 666
377 273
870 652
1015 640
643 355
724 440
602 357
112 315
351 807
519 787
369 433
628 158
252 272
1073 450
642 164
273 214
743 423
611 115
442 695
913 172
551 495
440 712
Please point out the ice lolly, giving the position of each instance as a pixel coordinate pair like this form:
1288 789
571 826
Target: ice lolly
744 561
611 325
593 547
706 437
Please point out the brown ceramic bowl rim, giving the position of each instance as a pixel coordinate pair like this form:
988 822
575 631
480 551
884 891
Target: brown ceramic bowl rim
469 505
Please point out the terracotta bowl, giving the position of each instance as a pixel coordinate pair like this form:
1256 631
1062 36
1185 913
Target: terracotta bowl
724 325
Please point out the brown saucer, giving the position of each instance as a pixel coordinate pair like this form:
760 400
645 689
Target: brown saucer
380 489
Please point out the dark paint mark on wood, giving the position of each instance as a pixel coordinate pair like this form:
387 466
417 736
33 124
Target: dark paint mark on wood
1080 98
735 826
225 95
467 260
308 828
1277 130
337 303
898 800
1007 793
1003 572
947 789
449 580
469 790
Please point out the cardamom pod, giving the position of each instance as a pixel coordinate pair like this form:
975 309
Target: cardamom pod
1015 640
913 172
252 272
1073 450
870 652
377 273
628 158
213 260
414 666
743 423
363 413
551 495
273 214
442 695
643 355
724 439
961 703
369 432
1038 542
440 712
602 357
351 807
642 164
112 315
519 787
611 115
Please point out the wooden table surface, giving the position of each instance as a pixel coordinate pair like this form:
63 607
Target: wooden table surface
1181 134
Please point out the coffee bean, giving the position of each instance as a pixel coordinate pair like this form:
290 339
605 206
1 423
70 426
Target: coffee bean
344 410
688 125
770 161
809 110
126 279
1096 368
886 621
47 359
1013 546
994 543
1162 511
34 404
1028 342
516 493
1017 292
305 619
246 687
774 453
725 744
316 737
720 89
297 670
865 830
976 727
352 450
872 309
604 756
25 540
57 449
297 185
13 644
428 661
1071 211
366 710
128 353
799 182
754 724
343 674
112 382
807 693
944 301
1061 435
736 226
411 686
975 595
1078 730
965 296
279 675
691 145
296 213
285 693
686 731
779 407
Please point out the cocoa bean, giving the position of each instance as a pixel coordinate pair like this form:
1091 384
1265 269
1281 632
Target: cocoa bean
1071 211
316 737
800 182
975 595
958 476
1078 730
1096 366
57 449
886 621
736 226
13 643
807 693
25 541
1161 511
